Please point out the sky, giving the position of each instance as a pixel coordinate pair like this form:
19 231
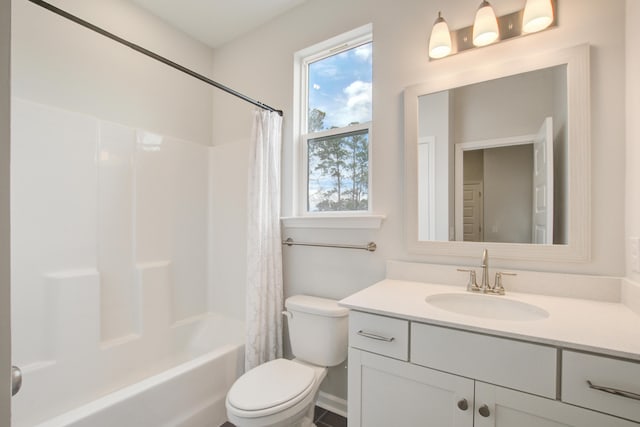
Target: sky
340 85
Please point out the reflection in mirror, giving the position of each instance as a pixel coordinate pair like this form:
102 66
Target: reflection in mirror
493 160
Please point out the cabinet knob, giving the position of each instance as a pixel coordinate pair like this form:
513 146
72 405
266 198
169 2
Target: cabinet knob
484 411
463 404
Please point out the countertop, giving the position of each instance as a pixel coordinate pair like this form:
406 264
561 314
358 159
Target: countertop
601 327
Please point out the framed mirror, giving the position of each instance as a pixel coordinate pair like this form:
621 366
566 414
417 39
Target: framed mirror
498 158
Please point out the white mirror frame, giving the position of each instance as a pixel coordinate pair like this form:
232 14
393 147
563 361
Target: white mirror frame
578 148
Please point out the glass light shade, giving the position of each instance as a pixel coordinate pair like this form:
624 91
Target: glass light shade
538 15
485 27
440 40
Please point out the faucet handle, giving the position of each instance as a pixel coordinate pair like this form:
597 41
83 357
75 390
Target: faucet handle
497 286
472 285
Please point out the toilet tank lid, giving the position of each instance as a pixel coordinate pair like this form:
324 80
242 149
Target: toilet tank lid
315 305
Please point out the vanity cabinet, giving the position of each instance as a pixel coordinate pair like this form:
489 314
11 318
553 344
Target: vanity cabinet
404 373
385 392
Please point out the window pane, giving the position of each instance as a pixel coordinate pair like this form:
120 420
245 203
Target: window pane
338 177
340 89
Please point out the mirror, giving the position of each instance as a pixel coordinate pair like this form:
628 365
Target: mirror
499 149
498 157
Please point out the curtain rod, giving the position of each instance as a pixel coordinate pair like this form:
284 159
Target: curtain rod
150 54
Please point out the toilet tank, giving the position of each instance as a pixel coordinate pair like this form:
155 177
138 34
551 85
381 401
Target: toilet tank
318 329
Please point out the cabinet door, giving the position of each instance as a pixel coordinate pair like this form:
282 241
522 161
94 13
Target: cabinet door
509 408
385 392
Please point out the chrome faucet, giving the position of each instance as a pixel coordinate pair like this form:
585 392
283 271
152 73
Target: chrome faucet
485 285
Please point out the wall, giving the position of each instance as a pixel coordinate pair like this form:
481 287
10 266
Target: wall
633 130
261 64
506 107
508 198
5 277
57 62
434 121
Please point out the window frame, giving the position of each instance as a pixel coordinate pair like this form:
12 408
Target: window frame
303 59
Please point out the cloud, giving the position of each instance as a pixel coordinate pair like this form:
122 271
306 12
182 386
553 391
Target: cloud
358 105
364 52
353 106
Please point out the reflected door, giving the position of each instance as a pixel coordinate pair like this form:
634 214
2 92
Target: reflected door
472 212
542 214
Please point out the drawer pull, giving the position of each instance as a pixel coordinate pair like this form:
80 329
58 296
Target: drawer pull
375 336
615 391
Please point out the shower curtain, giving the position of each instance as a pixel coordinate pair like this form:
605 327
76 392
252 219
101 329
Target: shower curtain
264 244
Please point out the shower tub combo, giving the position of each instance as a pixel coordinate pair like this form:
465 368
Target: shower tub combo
113 310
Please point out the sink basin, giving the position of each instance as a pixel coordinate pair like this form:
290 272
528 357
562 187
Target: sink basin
487 306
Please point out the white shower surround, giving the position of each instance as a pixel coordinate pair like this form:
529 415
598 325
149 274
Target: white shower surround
109 261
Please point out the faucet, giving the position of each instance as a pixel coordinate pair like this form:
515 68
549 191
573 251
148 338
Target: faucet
485 285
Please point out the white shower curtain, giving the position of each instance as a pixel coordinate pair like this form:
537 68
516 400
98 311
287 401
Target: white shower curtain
264 244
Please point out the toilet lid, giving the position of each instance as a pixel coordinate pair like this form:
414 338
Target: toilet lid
270 384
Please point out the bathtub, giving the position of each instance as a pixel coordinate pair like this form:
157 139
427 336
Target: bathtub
191 394
187 388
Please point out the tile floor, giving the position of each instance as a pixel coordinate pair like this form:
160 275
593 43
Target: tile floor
322 418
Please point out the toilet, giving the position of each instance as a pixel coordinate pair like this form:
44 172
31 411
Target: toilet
283 392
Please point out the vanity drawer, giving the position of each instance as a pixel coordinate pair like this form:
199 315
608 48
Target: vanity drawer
379 334
515 364
612 374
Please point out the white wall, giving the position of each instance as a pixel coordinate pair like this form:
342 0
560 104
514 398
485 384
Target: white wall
261 64
506 107
57 62
633 128
434 121
5 277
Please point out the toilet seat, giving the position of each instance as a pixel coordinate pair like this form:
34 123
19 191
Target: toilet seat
270 388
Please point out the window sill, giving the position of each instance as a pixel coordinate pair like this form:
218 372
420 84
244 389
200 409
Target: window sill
334 221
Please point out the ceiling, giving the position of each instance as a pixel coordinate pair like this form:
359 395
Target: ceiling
215 22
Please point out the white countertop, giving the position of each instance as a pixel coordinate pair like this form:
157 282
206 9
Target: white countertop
601 327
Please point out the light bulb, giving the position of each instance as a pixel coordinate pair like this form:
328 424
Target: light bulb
538 15
485 27
440 40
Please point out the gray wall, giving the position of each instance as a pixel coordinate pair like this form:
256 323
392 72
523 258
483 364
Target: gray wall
508 198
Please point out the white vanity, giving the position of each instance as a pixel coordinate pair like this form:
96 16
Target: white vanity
416 358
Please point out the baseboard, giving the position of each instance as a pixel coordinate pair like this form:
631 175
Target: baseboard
332 403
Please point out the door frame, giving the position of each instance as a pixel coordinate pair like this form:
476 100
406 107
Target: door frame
460 148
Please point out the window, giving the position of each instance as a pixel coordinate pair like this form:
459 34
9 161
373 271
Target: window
335 125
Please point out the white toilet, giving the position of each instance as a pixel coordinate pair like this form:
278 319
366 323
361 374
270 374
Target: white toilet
283 392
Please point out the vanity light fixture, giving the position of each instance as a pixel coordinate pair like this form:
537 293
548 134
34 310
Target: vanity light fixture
485 26
440 40
537 15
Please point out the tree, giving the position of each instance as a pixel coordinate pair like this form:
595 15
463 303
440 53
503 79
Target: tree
344 159
316 120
